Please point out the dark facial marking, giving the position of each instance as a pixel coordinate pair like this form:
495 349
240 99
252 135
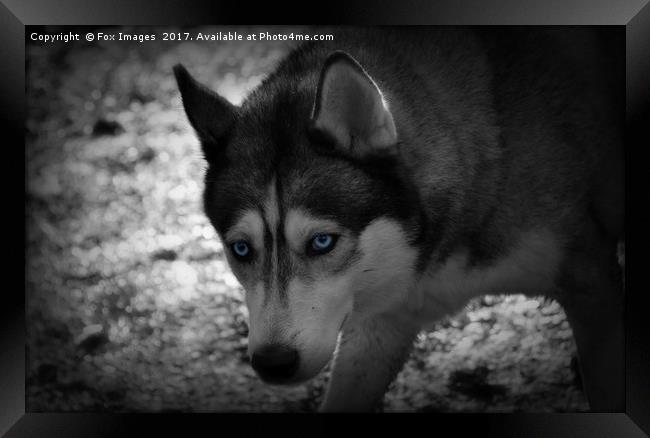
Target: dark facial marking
267 267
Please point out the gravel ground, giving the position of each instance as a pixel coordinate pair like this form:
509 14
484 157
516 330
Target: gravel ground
130 303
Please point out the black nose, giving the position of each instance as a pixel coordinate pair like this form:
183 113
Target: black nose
275 363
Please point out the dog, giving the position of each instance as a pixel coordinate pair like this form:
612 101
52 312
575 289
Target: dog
374 184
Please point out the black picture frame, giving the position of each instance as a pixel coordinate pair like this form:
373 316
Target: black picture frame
634 15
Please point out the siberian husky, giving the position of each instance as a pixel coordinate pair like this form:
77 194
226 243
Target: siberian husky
376 183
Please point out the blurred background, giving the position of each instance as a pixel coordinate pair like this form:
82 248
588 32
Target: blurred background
130 303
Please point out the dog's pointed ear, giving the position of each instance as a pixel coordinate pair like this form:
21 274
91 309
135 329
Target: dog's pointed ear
351 111
210 115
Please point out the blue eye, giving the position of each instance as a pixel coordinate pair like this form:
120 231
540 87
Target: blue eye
322 243
241 249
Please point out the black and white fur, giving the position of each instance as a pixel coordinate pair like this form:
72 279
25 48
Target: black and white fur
446 163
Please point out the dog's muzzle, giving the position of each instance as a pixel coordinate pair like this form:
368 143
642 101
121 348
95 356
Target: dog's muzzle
276 363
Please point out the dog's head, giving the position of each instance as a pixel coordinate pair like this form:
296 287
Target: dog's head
303 188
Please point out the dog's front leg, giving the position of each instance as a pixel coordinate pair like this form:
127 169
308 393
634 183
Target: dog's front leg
594 303
371 352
